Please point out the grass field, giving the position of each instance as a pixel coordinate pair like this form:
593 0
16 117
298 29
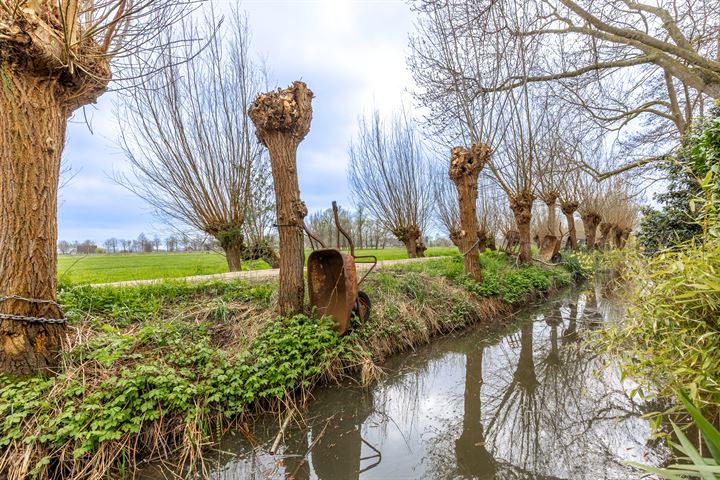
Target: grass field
120 267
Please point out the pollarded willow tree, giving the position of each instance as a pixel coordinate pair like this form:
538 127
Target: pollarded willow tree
465 167
56 56
570 193
282 120
641 70
389 175
188 139
447 214
452 56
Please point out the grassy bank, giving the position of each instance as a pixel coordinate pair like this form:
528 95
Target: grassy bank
160 370
105 268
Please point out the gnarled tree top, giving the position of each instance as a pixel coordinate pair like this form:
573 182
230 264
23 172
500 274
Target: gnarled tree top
468 161
73 42
287 111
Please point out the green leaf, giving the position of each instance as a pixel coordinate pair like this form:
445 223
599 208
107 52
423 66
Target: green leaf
709 432
689 450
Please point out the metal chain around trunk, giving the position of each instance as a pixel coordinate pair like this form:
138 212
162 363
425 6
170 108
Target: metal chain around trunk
29 319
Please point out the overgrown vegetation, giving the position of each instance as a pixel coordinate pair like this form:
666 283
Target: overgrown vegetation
670 338
677 222
161 370
692 463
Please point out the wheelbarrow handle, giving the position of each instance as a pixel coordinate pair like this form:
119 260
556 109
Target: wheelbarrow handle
341 229
312 237
374 262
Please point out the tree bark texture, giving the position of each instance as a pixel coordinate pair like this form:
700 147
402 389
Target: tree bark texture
282 119
32 136
411 237
590 221
617 237
231 240
465 166
234 255
568 209
605 234
521 206
550 199
455 238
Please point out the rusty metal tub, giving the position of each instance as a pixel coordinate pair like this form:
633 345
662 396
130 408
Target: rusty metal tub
332 285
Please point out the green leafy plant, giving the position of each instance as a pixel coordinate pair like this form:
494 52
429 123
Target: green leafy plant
693 464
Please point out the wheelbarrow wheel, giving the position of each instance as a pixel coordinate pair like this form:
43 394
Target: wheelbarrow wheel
362 308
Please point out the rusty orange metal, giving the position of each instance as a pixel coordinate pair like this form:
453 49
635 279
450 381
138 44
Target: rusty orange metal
332 284
332 280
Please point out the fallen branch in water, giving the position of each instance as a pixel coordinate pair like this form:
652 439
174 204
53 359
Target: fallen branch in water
281 433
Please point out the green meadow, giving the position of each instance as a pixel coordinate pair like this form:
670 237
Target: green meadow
102 268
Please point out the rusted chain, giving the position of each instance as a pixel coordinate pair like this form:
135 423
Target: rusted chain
471 247
30 319
26 319
5 298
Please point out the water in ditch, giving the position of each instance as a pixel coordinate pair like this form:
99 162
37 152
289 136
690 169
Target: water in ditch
530 403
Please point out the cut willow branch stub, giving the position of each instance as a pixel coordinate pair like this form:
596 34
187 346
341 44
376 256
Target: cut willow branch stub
282 119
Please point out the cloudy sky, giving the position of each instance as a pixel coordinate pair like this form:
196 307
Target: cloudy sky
351 53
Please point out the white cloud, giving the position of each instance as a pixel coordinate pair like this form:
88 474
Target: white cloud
350 53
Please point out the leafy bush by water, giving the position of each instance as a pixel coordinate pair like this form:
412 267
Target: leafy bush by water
158 374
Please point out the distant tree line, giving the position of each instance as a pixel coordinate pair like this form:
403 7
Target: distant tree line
142 244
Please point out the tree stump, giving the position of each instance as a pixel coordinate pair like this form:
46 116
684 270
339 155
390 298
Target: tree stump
282 120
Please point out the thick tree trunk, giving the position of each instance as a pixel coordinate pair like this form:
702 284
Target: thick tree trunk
420 248
605 233
624 236
617 237
32 136
231 240
524 241
465 166
521 206
291 213
483 240
590 224
568 209
411 237
550 199
282 119
234 256
552 220
491 245
456 239
410 247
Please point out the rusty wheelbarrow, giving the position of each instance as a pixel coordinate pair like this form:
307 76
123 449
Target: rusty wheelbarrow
332 279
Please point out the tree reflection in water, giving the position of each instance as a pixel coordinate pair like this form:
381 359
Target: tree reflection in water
534 403
473 458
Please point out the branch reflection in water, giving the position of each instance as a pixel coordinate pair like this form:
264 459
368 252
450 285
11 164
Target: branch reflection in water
532 402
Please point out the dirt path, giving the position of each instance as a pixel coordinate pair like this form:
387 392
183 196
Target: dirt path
250 275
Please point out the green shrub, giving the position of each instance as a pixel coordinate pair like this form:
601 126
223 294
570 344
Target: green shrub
168 370
670 337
